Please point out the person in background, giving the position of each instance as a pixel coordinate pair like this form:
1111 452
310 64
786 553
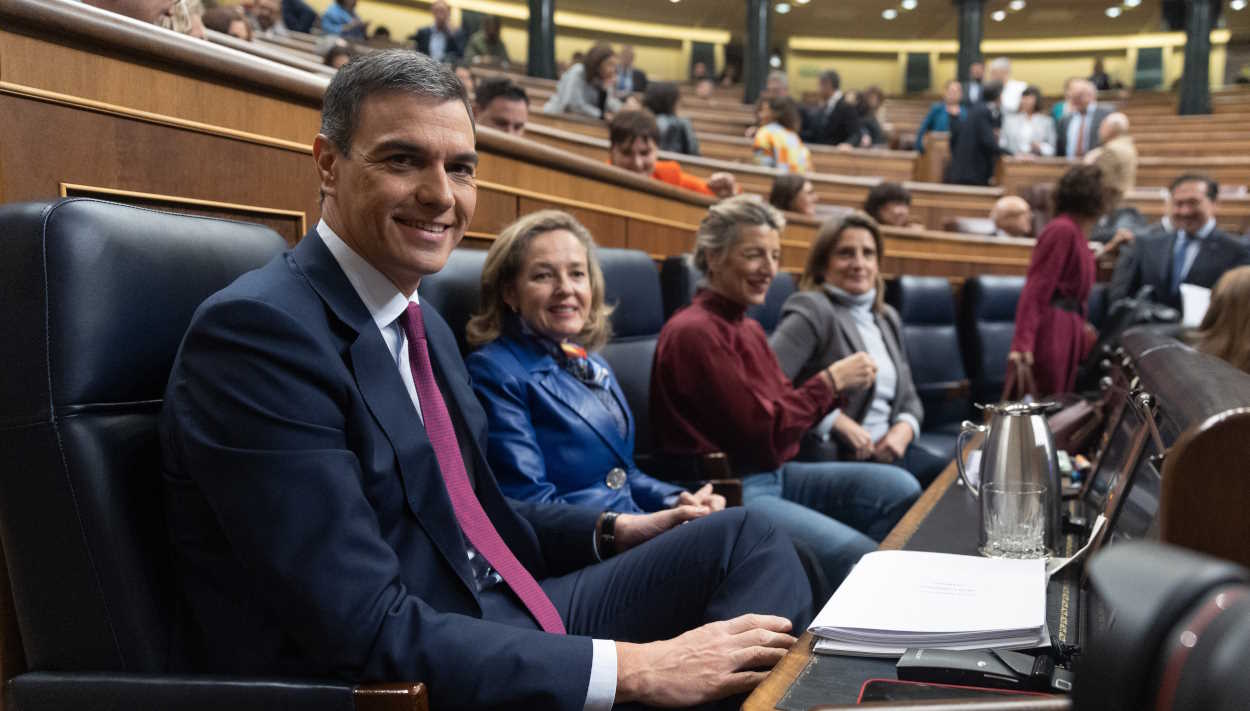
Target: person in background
1013 89
974 141
729 75
835 120
439 40
586 88
716 386
972 87
676 133
634 137
1116 155
1052 335
699 72
1225 329
502 104
465 75
776 85
298 16
340 19
704 89
942 113
840 311
777 143
1100 79
177 16
872 125
629 79
485 46
1077 133
1063 108
1012 217
266 19
793 193
340 53
890 204
228 20
1029 131
381 34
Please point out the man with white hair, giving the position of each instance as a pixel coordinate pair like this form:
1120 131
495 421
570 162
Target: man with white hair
1078 131
1013 89
1117 156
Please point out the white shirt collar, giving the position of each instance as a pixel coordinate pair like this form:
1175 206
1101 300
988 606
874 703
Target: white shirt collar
384 301
1206 230
833 100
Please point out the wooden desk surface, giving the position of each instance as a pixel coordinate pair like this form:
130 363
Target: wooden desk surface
769 693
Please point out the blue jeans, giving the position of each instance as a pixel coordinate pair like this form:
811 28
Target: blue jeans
838 510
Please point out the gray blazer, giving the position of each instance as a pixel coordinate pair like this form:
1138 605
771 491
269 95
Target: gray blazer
814 331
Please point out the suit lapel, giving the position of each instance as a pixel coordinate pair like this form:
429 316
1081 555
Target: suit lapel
387 400
1210 258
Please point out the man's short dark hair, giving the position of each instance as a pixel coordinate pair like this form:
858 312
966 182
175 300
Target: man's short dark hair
398 70
834 79
499 88
1213 188
785 112
628 126
661 97
1080 192
990 91
883 195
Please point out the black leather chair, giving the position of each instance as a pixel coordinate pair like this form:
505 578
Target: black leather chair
679 280
456 291
926 307
632 287
1098 305
987 323
96 297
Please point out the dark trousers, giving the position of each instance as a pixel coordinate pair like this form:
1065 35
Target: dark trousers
716 568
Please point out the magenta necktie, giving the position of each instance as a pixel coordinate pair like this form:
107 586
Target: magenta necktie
469 512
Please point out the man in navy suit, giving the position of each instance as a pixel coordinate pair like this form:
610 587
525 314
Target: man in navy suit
439 40
1190 249
330 509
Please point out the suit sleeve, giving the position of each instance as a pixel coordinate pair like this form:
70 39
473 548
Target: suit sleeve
1050 254
797 340
255 420
1126 277
648 492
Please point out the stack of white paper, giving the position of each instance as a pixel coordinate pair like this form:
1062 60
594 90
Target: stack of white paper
893 600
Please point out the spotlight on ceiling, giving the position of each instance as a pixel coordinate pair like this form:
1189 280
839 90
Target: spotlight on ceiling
889 14
1132 3
783 8
1238 4
1018 5
775 61
802 2
998 16
909 4
1114 12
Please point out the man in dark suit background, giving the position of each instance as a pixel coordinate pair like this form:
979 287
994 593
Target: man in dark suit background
629 79
835 120
1188 249
439 41
1077 133
974 86
329 505
974 141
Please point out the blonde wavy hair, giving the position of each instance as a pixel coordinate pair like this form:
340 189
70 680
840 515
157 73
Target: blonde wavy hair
503 266
721 228
826 243
1225 330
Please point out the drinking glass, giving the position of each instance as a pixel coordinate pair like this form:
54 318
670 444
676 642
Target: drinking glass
1013 520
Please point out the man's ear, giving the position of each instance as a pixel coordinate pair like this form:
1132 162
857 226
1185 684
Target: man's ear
326 155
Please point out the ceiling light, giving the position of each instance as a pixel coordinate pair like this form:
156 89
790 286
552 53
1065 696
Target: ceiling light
774 61
1135 3
1113 12
783 8
889 14
1238 4
909 4
1018 5
802 2
999 16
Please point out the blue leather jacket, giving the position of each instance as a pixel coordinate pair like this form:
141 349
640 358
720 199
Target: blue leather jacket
550 438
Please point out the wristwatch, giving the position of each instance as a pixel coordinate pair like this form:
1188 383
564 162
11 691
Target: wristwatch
605 535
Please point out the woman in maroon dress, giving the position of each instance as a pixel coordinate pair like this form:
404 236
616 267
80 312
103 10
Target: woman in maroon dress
1052 335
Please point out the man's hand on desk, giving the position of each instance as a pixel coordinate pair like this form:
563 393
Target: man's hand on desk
704 664
636 529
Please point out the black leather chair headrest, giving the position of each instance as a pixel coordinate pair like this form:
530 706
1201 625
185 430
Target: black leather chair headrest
456 291
922 300
632 284
993 298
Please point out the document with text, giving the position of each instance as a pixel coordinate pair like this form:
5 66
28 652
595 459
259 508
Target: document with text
893 600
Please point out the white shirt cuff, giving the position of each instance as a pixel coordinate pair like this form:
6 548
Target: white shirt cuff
601 691
911 422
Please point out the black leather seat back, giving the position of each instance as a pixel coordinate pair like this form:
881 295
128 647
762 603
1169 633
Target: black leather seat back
96 299
456 291
1098 305
769 312
987 324
926 307
632 286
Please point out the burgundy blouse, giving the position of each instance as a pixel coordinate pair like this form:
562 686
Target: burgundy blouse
717 387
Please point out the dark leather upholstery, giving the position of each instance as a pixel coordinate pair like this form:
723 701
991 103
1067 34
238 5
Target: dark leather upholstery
632 287
927 309
63 690
1098 305
987 324
96 297
456 291
679 280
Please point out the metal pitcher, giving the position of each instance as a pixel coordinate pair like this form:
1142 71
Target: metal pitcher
1018 459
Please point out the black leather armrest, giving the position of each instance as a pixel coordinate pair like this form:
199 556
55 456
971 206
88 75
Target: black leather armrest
85 691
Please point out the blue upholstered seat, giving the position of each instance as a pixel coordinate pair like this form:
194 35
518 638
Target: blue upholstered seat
987 324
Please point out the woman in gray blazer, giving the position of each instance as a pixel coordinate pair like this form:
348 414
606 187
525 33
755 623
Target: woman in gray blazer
838 311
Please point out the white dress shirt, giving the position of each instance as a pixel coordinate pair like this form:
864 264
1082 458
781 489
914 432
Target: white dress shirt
1013 89
1193 246
386 304
1074 130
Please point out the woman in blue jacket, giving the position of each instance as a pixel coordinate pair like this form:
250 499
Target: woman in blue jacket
560 428
942 113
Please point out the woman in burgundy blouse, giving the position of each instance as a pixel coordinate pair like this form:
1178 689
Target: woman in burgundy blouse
1052 335
718 387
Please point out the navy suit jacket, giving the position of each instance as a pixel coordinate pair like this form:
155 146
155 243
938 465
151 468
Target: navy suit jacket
1148 261
550 437
311 528
455 46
